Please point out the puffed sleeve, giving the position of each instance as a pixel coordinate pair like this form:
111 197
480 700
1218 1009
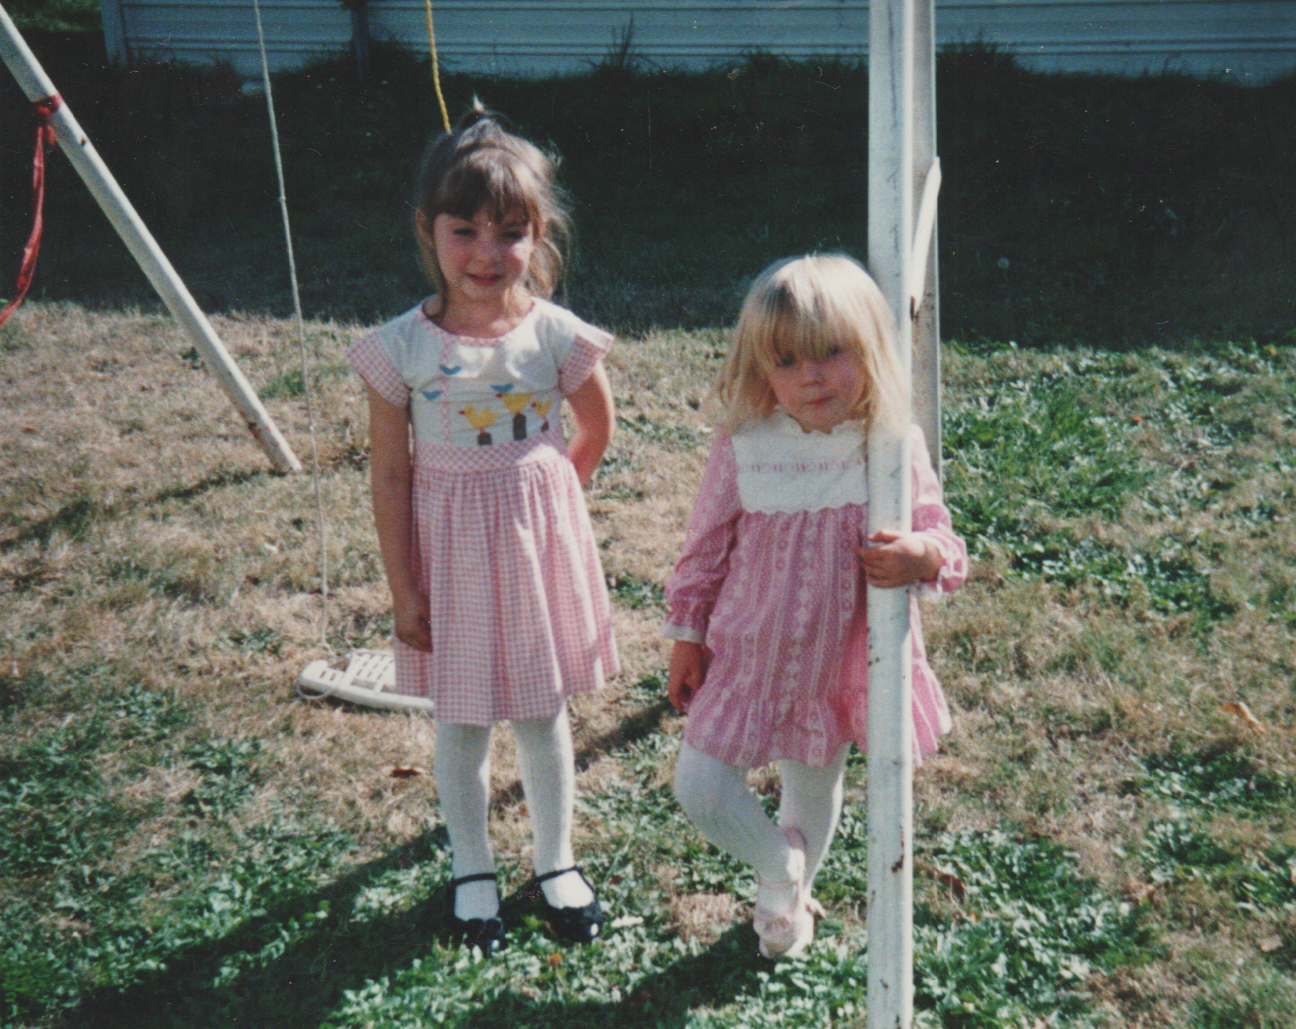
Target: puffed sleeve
693 587
369 357
588 346
932 518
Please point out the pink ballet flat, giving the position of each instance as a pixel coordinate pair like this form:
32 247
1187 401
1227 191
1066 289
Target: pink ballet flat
787 935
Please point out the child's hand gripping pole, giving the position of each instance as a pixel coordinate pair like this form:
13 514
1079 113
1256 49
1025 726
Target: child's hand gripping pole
899 559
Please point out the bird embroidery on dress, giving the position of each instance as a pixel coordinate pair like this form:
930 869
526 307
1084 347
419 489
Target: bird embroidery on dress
481 421
430 394
447 370
542 409
517 402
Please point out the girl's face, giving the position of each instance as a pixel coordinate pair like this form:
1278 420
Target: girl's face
820 393
481 258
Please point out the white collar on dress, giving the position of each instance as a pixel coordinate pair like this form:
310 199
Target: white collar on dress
785 469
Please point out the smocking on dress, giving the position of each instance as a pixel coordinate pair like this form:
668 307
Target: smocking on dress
503 546
769 582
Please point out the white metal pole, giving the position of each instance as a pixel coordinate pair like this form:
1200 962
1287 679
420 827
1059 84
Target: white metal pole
890 724
926 342
85 159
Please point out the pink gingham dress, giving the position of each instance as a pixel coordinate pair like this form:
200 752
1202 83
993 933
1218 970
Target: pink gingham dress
503 546
770 583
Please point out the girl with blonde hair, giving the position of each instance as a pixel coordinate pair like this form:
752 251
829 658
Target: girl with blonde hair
767 603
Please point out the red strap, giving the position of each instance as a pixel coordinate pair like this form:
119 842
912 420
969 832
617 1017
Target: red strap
44 137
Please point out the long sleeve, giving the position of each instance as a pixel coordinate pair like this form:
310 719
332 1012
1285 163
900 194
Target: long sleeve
932 518
704 562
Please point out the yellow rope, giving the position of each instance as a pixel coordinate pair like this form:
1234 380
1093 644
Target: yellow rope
436 75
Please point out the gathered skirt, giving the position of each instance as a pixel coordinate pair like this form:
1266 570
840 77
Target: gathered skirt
519 610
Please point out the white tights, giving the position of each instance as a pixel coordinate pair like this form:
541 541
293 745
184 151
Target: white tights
547 767
715 796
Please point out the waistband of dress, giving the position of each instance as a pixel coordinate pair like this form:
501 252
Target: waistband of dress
540 447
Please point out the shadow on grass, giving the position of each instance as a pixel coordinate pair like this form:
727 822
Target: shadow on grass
78 514
297 987
292 963
645 722
724 972
303 984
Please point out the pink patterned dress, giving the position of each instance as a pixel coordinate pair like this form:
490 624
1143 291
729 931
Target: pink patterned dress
502 543
770 583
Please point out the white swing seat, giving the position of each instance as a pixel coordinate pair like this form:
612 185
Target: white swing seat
369 678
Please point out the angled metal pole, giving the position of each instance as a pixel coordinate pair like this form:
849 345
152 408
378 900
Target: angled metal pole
85 159
890 663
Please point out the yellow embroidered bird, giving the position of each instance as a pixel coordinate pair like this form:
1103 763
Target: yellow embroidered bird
479 420
515 402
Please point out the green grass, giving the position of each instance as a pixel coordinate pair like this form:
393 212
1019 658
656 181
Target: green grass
1031 932
636 593
1208 779
248 910
1032 462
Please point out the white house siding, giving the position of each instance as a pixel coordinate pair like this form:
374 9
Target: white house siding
1249 40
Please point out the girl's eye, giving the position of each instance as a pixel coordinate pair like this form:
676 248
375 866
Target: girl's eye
786 360
834 351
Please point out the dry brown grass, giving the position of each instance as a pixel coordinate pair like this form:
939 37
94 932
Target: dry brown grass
143 530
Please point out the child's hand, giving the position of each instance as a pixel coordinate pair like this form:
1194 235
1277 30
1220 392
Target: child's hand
688 667
899 559
411 616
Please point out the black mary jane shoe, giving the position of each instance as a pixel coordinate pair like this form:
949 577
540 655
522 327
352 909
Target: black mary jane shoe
575 925
487 934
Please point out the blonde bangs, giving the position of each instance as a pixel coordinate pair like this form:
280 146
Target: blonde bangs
807 308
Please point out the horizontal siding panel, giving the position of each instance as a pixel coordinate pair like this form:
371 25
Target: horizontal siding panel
1251 40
